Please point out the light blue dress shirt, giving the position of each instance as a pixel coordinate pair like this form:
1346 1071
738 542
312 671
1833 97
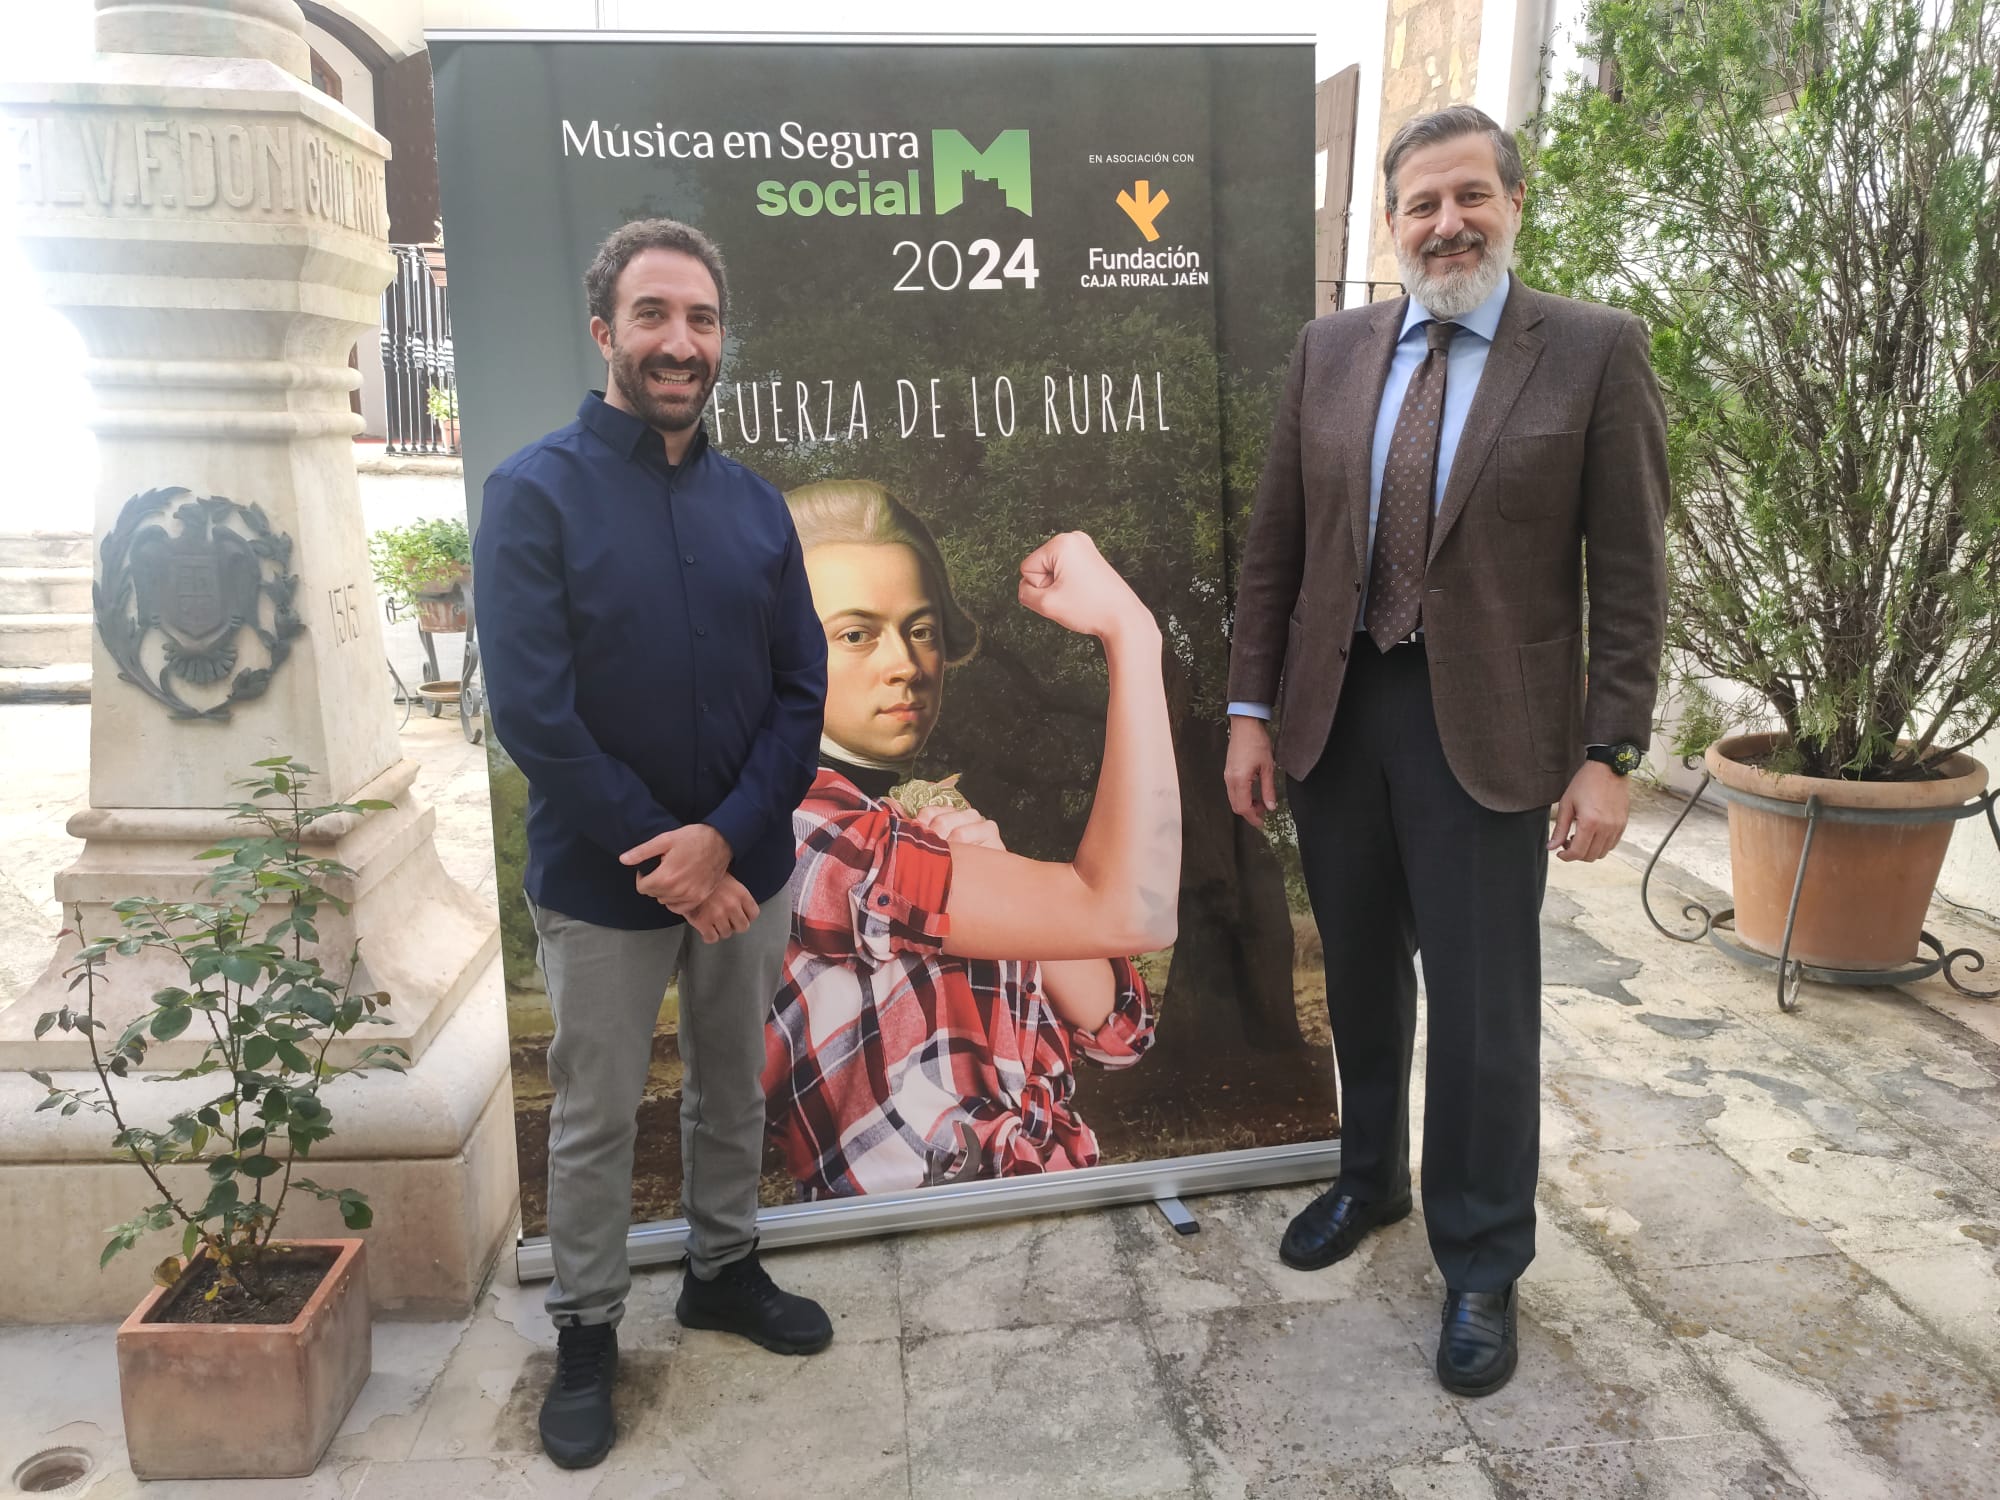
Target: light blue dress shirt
1465 363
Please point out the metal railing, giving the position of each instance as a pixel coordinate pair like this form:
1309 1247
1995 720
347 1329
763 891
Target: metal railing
421 384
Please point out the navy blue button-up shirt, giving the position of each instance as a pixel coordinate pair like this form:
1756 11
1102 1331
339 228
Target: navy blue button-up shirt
652 658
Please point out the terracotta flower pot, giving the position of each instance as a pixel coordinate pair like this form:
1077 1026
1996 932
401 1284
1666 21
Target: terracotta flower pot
245 1400
1868 884
441 603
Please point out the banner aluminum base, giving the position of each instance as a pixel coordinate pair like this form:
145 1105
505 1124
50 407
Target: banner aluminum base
982 1202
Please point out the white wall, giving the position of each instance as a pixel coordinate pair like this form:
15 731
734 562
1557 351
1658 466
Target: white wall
357 84
1355 32
1562 34
396 26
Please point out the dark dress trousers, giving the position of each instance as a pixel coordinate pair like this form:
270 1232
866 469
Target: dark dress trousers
1420 778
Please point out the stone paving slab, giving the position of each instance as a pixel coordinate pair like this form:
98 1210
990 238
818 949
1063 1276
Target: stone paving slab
1769 1267
1045 1410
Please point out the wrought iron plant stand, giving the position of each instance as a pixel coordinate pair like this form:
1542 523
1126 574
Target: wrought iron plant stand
1718 927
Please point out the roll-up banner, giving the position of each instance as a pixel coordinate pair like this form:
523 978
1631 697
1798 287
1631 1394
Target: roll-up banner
1020 290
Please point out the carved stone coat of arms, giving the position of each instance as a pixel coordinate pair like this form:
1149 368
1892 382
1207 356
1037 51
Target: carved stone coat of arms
221 572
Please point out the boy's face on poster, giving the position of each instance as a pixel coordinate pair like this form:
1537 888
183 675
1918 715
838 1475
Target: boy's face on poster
885 648
664 343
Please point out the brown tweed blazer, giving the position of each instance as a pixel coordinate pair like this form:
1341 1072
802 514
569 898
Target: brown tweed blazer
1565 444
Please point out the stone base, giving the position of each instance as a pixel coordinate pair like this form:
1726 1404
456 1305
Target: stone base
422 937
432 1148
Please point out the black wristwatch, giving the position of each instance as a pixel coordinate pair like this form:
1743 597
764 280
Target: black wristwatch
1623 758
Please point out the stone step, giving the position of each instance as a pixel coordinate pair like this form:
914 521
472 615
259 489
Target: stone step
69 683
44 640
44 591
44 549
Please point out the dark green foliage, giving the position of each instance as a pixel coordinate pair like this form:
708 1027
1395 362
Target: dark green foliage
1801 203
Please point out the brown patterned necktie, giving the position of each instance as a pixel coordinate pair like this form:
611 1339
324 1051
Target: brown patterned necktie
1403 518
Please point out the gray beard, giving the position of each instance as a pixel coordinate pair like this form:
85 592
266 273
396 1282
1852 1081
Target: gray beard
1453 294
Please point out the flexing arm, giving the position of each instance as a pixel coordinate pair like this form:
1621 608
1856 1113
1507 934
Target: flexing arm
1083 991
1118 895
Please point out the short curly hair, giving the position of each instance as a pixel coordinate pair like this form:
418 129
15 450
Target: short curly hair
600 281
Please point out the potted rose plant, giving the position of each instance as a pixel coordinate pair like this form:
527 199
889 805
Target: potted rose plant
1801 203
246 1356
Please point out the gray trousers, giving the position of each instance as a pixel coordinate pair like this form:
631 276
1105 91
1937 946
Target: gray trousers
605 987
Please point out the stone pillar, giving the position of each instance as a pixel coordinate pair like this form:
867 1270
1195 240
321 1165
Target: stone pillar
217 230
1430 59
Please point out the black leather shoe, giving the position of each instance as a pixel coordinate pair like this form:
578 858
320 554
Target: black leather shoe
1329 1228
577 1424
742 1299
1479 1345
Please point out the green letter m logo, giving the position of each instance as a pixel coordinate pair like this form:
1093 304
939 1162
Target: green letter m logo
1004 164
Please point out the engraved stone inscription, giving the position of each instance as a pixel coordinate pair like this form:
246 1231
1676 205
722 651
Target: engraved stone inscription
122 164
346 614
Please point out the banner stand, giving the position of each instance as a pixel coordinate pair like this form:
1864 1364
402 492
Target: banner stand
985 295
959 1204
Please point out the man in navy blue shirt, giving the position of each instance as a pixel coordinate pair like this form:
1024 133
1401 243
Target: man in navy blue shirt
656 669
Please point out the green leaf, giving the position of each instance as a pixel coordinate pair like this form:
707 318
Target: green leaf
258 1051
39 1077
293 1058
320 1007
168 1024
241 967
207 1115
43 1022
222 1166
355 1213
252 1138
222 1199
190 1239
259 1166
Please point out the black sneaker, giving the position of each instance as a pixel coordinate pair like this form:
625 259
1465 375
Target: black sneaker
742 1299
577 1424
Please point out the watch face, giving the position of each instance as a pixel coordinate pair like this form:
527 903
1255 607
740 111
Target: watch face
1626 760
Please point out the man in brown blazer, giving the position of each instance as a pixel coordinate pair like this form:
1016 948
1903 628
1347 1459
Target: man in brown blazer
1445 471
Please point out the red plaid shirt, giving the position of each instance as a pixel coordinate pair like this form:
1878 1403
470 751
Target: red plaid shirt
879 1044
